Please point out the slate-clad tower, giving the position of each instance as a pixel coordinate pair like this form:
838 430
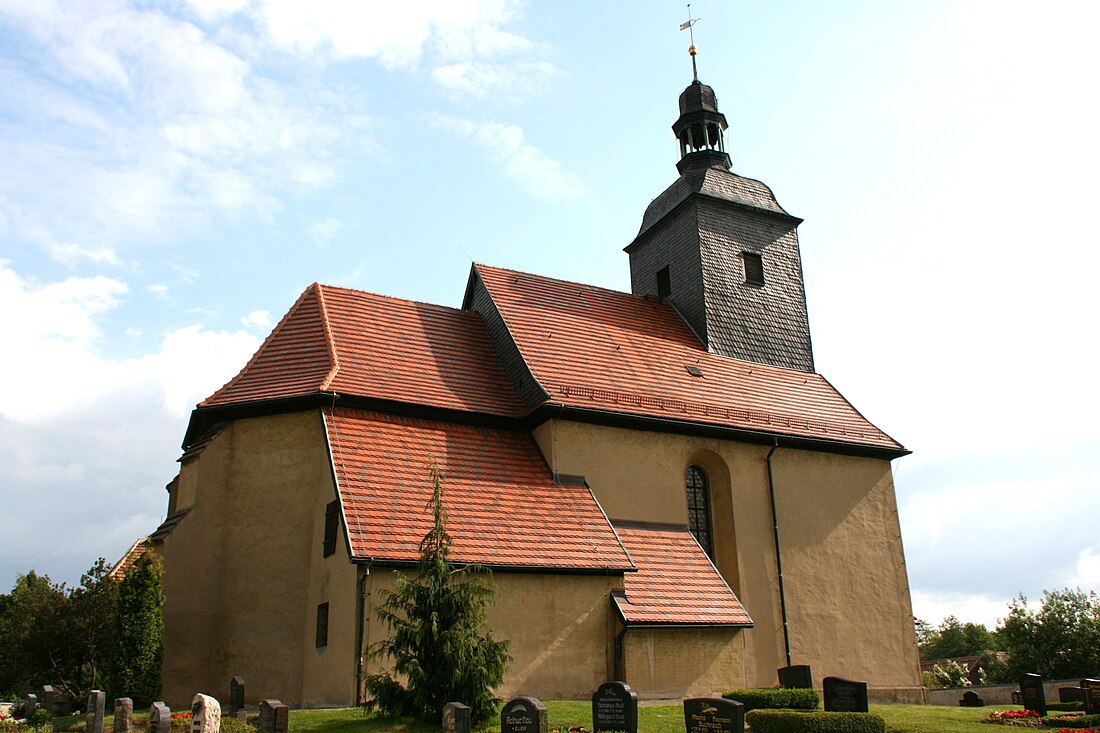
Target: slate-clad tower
722 250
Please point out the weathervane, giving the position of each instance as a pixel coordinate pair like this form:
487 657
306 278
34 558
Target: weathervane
689 27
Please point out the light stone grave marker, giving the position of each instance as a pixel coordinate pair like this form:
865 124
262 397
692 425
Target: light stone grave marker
160 718
206 714
124 715
97 702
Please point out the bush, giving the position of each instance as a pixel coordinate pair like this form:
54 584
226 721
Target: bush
38 719
786 699
1066 707
1084 721
792 721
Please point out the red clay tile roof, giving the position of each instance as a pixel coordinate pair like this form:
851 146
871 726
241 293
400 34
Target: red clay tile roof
605 350
675 582
128 560
503 508
353 342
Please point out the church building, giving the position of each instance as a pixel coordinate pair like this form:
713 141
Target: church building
663 489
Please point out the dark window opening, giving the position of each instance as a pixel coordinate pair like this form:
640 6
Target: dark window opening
754 268
332 521
664 283
322 625
698 500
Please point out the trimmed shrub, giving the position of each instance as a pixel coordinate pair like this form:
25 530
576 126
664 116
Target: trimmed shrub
1084 721
793 721
1067 707
784 699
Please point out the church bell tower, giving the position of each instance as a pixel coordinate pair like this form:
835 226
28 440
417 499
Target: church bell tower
721 249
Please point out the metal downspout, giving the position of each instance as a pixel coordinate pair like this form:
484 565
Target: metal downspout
361 604
778 555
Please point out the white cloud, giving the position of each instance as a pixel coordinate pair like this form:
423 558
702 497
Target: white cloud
70 253
479 79
525 164
257 319
1087 574
323 231
159 289
933 607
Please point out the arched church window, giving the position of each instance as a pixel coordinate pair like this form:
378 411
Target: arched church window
698 500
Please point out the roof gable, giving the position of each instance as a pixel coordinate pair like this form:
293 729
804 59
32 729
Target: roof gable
503 508
598 349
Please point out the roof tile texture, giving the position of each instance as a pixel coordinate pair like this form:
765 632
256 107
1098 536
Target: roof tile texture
606 350
675 582
503 508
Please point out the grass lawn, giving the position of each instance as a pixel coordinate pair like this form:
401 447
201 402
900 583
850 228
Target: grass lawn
663 719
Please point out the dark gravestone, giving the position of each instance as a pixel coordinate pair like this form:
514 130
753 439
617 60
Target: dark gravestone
970 699
524 715
615 707
236 694
48 700
797 676
30 702
160 718
124 715
1071 694
713 715
97 701
1091 688
1017 698
1031 694
268 709
456 718
844 696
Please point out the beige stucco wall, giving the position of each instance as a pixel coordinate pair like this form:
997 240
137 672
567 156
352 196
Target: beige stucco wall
244 573
847 591
670 662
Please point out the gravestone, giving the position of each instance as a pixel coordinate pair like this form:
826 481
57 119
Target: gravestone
1091 688
844 696
456 718
796 676
1017 698
30 702
714 715
1031 694
160 718
970 699
206 714
274 716
236 694
48 700
615 707
97 702
124 715
524 715
1071 694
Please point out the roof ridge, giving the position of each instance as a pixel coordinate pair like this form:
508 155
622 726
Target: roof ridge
329 340
644 298
263 347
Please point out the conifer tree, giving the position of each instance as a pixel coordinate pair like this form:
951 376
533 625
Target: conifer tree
138 647
439 651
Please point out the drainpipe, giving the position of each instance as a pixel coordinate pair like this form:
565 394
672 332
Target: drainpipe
360 632
778 555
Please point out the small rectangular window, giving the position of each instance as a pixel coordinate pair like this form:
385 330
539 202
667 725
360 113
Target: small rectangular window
754 268
332 521
322 625
664 283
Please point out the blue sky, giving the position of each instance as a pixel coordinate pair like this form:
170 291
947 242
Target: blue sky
174 174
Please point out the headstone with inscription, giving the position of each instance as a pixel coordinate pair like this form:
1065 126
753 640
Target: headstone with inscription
970 699
206 714
236 694
1091 688
1071 694
524 715
844 696
1031 694
796 676
124 715
97 703
456 718
615 707
160 718
713 715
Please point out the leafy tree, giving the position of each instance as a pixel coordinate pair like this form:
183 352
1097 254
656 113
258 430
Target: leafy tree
1059 641
137 648
950 674
954 639
436 642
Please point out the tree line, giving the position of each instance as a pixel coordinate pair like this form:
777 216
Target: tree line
1059 640
102 634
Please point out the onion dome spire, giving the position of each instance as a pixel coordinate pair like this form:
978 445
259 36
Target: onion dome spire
701 127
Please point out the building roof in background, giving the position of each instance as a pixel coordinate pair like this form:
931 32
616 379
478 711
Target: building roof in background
129 560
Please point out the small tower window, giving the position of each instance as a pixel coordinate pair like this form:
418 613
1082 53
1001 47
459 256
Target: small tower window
664 283
332 520
698 501
754 268
322 625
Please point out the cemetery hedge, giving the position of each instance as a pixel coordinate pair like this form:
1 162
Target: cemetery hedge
785 699
1066 707
1083 721
793 721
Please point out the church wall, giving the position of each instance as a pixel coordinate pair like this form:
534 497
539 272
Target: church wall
559 627
684 662
237 569
845 580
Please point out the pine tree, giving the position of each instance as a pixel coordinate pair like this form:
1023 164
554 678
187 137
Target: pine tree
138 647
439 652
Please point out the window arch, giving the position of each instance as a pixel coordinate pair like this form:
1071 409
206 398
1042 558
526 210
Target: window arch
698 503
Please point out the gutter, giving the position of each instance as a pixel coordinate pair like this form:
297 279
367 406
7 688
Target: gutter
778 555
